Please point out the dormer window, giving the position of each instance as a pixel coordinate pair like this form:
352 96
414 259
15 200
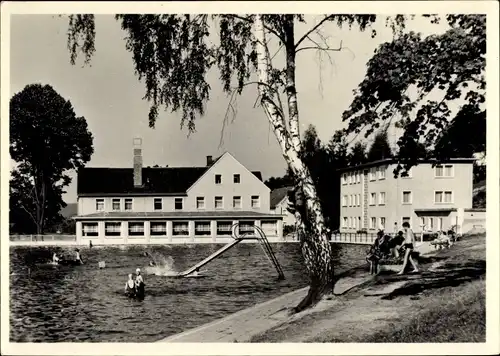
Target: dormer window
218 179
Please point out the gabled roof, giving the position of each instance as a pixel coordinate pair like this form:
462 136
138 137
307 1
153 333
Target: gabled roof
277 195
119 181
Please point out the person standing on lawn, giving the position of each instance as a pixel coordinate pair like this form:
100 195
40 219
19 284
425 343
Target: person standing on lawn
409 248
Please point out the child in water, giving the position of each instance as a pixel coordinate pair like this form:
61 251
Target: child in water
130 286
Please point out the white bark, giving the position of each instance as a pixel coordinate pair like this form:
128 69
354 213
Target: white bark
316 247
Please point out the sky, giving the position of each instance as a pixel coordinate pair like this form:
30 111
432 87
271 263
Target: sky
109 95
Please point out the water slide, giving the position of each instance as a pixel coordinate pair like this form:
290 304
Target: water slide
209 258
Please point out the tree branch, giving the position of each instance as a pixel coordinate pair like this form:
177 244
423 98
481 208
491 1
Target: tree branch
326 18
321 48
266 27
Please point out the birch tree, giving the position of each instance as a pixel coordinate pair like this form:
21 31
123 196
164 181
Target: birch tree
172 55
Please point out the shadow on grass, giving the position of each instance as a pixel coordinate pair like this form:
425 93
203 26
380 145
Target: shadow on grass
447 275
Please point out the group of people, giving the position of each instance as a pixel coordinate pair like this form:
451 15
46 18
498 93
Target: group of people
56 259
386 246
134 288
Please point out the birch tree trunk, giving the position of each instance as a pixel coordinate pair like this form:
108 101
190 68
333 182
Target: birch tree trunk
312 231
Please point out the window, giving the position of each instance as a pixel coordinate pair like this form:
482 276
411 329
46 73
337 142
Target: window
344 222
219 203
128 204
372 173
178 203
359 199
246 227
218 179
359 221
224 228
158 204
373 196
202 228
356 198
180 228
448 170
443 197
344 179
200 203
430 224
381 172
99 204
407 197
116 204
136 228
90 229
348 178
445 171
236 178
349 222
439 224
350 200
382 223
270 227
255 201
422 221
158 228
358 177
112 228
373 222
344 200
381 198
237 202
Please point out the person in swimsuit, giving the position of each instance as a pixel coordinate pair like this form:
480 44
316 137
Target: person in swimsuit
55 258
77 256
130 286
139 284
409 247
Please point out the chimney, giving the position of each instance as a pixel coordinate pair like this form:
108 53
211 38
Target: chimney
209 160
137 162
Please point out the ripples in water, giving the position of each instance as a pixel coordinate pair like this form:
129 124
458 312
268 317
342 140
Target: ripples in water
85 303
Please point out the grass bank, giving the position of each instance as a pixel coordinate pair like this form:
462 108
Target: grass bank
443 303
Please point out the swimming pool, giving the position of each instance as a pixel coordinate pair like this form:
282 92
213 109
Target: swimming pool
85 303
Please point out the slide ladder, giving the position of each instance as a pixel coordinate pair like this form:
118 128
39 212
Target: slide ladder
266 246
259 235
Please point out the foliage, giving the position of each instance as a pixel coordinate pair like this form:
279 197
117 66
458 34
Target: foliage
358 154
380 148
405 75
47 140
279 182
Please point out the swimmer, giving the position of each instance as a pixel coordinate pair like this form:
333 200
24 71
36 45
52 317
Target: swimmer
139 284
55 258
77 256
138 277
130 286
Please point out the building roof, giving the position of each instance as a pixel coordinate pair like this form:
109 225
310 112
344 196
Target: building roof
176 215
120 181
277 196
394 161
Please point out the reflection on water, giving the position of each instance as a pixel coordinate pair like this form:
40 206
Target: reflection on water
85 303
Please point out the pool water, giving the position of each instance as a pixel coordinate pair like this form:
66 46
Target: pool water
85 303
